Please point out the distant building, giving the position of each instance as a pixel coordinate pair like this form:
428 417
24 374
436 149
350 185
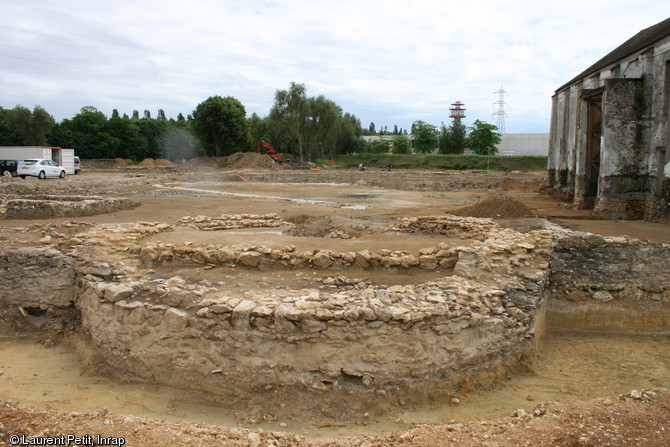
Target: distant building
610 142
523 144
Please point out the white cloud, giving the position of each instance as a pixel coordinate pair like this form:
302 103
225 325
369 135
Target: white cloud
384 61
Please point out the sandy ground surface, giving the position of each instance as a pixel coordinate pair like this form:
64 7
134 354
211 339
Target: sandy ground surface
361 205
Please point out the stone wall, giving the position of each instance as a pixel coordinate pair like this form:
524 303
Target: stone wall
378 338
635 136
609 284
56 206
37 289
486 314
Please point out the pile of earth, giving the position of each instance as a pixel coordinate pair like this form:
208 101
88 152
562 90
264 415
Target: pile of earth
157 162
247 160
123 161
236 161
496 207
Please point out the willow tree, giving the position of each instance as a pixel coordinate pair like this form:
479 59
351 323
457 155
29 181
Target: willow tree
290 108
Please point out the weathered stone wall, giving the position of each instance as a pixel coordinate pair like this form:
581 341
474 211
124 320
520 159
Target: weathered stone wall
623 184
379 338
37 289
55 206
37 277
635 137
262 257
232 221
609 284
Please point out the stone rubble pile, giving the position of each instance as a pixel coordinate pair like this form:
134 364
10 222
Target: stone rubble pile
463 227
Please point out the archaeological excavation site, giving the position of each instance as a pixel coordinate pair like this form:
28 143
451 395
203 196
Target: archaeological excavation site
268 306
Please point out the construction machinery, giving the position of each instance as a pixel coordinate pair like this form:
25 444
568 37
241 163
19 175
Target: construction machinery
266 148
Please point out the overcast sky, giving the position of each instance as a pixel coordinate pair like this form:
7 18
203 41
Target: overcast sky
386 62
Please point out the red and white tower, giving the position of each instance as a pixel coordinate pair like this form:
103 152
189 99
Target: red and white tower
457 110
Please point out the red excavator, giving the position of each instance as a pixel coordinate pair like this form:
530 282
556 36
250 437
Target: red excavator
265 148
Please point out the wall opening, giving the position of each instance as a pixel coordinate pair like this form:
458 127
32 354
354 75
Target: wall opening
593 143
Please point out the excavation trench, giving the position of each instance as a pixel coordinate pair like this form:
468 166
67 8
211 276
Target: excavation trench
339 335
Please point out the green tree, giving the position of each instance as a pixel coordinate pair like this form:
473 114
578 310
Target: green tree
259 129
221 125
26 128
349 135
41 124
372 128
6 133
425 137
289 113
126 138
19 120
379 146
483 138
401 144
321 127
452 138
85 133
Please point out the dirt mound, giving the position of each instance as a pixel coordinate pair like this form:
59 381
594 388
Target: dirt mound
236 161
147 162
496 207
247 160
162 162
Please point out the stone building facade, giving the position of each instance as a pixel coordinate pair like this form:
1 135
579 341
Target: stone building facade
609 142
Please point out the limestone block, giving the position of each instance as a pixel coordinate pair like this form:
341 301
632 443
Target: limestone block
322 259
602 295
409 261
223 255
390 261
220 308
323 314
382 313
428 262
136 315
200 256
351 314
250 258
175 320
166 256
262 311
282 324
311 325
96 268
362 259
348 258
367 314
242 313
117 292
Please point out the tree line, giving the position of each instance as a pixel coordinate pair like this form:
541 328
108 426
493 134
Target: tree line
303 127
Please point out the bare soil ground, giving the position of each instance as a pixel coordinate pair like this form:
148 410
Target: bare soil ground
336 209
